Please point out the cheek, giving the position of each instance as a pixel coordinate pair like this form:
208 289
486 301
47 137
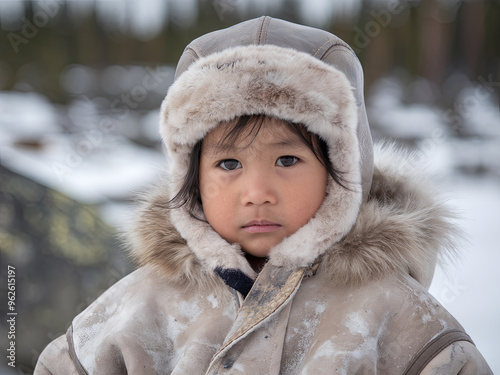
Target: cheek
214 195
212 184
307 197
217 210
306 205
318 194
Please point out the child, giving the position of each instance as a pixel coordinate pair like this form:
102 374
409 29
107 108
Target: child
276 245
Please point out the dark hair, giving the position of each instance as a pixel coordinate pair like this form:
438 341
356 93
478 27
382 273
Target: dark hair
189 194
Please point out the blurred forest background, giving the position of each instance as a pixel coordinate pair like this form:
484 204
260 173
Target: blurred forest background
80 87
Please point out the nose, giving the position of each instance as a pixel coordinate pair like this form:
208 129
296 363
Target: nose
258 188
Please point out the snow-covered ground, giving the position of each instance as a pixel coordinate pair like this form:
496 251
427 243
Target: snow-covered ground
96 162
469 288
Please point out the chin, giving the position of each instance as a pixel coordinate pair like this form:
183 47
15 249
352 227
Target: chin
259 252
260 247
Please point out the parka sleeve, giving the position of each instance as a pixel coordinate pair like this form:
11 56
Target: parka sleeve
459 358
55 359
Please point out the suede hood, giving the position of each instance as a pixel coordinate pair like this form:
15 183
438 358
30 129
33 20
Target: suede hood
257 76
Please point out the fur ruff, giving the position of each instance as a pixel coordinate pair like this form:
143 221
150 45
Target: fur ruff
402 228
278 82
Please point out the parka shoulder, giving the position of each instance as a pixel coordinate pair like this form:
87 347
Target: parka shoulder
383 324
149 324
461 357
55 359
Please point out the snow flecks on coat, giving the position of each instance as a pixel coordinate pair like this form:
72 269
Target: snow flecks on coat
86 337
211 298
305 333
359 354
239 367
163 356
94 327
426 318
356 324
347 360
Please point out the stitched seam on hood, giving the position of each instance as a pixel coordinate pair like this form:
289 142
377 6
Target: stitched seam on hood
261 36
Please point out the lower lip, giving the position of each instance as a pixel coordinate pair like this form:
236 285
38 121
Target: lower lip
262 228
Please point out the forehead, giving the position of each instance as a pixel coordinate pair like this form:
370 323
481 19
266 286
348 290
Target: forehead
270 133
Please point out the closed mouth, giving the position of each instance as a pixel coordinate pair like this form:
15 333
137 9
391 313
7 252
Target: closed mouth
261 226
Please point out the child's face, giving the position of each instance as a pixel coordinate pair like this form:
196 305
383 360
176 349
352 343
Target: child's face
255 194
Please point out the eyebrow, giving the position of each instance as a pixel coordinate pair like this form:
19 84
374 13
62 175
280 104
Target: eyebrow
216 148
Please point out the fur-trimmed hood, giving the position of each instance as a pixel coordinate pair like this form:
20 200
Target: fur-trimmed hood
286 71
402 227
302 75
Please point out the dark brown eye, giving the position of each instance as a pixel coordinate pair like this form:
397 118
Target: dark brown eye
230 164
286 161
